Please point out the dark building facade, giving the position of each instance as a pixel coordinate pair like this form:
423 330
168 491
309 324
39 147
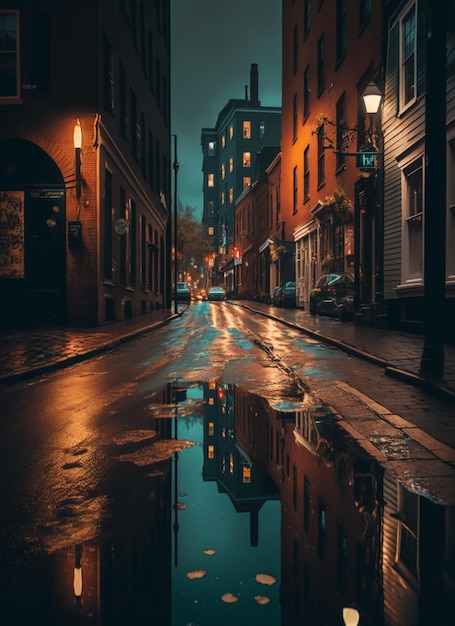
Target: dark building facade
84 160
242 129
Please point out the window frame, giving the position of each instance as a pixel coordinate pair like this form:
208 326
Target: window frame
16 98
404 102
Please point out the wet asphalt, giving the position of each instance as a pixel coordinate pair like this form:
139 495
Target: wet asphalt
427 404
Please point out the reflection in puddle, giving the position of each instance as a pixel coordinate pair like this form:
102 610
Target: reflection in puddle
233 509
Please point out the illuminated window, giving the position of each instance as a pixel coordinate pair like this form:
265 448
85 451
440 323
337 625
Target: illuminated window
211 180
223 141
231 165
247 159
211 148
211 401
246 474
223 197
212 384
223 171
211 452
211 429
9 56
246 130
246 181
231 463
408 57
231 195
211 231
231 132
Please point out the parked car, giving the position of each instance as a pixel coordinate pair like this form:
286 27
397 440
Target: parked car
216 293
333 295
276 296
285 295
183 292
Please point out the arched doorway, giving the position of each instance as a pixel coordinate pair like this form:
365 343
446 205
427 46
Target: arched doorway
32 236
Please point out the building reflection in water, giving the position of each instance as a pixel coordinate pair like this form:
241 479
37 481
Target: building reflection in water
351 534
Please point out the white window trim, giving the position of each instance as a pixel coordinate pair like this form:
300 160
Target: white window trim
406 279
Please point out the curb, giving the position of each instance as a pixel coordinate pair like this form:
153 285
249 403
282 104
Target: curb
429 385
29 373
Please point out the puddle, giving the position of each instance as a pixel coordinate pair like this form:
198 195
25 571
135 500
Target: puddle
234 508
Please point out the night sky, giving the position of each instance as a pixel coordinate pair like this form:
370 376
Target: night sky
214 43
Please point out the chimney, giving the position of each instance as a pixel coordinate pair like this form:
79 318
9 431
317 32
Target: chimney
254 90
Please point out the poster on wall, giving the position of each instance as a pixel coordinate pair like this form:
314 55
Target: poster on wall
11 234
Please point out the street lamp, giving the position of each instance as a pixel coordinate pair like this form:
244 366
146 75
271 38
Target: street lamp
176 169
77 142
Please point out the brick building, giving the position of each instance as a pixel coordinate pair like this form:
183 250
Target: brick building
84 227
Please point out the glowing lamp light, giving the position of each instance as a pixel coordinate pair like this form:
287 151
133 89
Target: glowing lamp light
77 582
77 135
372 98
350 617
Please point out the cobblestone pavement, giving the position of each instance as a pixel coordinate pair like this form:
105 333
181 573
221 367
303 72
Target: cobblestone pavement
419 408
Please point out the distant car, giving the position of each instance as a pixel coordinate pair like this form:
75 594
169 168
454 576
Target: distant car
285 295
183 292
333 295
216 293
200 294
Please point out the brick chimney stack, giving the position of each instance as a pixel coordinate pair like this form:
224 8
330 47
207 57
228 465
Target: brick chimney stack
254 83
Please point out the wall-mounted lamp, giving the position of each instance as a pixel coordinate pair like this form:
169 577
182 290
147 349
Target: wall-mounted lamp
344 134
77 142
350 617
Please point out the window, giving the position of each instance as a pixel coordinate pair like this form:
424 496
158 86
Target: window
306 504
261 130
210 180
210 452
211 231
306 174
246 181
231 132
9 56
294 117
122 101
341 30
231 165
133 120
408 58
223 171
295 49
151 65
321 71
108 76
211 149
341 131
321 156
231 195
223 141
246 159
322 529
413 202
306 92
211 208
108 218
306 17
407 540
246 474
246 129
295 190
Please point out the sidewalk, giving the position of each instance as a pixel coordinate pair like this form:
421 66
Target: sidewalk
25 353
